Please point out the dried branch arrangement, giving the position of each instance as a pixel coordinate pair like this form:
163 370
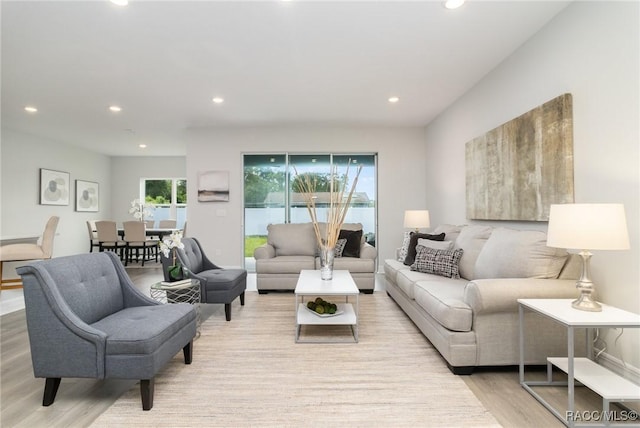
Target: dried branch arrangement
338 203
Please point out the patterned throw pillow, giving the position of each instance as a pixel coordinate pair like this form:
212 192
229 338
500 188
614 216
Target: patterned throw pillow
340 244
405 246
437 262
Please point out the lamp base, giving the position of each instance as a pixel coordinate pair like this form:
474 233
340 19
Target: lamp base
586 303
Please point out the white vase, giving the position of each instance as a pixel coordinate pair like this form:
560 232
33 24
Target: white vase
326 262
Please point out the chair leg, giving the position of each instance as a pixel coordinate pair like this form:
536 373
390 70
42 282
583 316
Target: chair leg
242 299
50 389
227 311
188 352
146 392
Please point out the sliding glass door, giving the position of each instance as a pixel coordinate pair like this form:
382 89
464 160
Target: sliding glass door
269 196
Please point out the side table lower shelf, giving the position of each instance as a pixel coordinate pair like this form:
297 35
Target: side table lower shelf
607 384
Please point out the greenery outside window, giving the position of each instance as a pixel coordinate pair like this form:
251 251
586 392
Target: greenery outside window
169 195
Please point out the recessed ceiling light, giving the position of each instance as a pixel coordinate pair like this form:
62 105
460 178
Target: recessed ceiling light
120 2
115 109
453 4
30 109
142 146
218 100
394 99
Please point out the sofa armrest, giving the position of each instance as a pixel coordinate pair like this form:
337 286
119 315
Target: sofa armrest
368 251
264 251
501 295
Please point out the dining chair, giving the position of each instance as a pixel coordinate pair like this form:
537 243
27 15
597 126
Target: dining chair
150 223
108 238
25 252
136 239
184 229
93 235
167 224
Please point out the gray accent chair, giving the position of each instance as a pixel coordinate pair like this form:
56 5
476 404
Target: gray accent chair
217 285
86 320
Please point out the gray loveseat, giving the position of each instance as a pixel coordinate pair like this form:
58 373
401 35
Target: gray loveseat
473 320
86 319
292 247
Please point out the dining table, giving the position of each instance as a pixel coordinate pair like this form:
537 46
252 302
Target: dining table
160 232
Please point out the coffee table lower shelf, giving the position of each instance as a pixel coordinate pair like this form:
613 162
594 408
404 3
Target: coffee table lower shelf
348 317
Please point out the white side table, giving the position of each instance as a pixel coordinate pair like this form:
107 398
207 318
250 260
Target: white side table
342 284
610 386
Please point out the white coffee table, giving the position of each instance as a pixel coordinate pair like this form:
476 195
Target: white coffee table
342 284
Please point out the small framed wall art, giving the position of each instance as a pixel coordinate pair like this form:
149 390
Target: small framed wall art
213 186
87 196
54 187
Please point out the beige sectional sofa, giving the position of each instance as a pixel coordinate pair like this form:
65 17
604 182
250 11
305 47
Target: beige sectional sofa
473 320
292 247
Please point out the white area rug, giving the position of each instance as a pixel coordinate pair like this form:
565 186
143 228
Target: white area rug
250 372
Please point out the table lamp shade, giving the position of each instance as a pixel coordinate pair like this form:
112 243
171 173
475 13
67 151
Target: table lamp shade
416 219
588 227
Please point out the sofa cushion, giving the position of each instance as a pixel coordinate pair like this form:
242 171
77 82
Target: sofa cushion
292 239
352 264
285 264
391 269
406 279
443 300
126 334
471 240
510 253
413 243
354 242
438 262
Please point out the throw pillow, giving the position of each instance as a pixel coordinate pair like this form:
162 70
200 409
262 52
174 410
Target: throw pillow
438 262
436 245
340 247
411 251
354 240
405 246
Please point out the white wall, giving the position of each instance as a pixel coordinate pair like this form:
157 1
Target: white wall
22 157
590 50
219 226
126 173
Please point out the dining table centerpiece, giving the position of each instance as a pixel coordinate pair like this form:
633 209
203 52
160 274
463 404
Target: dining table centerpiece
337 199
141 210
168 247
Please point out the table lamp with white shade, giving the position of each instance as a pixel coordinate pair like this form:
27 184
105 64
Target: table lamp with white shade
416 219
587 227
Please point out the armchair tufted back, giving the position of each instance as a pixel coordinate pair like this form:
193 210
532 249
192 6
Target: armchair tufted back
88 284
191 256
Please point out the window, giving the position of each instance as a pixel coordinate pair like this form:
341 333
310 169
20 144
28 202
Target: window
169 195
269 195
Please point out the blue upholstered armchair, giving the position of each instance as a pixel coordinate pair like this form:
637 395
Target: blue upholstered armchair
86 319
217 285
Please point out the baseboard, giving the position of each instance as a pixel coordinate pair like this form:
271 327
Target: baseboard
616 365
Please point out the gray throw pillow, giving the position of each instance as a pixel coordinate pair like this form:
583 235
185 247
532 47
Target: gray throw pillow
437 262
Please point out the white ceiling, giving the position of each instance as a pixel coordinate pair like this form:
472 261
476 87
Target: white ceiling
275 63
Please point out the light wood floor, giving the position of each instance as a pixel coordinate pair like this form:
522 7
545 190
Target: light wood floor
21 393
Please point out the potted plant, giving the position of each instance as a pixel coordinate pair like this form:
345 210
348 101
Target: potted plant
141 210
171 267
